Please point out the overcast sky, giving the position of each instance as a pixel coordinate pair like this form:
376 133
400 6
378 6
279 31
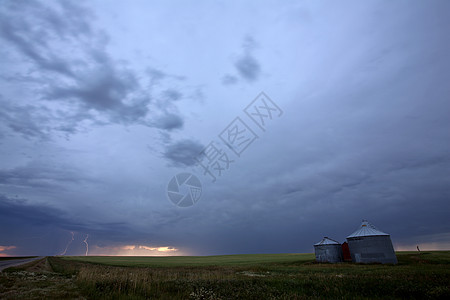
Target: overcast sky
103 102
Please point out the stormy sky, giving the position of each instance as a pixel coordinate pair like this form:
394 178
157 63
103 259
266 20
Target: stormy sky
103 102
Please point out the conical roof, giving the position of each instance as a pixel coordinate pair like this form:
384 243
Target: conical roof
327 241
366 229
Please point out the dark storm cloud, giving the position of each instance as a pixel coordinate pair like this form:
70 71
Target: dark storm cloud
35 121
106 90
26 120
20 211
183 153
261 219
33 33
90 84
43 229
246 64
248 67
40 175
169 122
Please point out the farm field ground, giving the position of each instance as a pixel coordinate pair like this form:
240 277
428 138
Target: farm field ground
254 276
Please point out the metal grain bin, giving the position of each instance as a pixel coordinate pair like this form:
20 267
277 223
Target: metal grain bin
370 245
328 250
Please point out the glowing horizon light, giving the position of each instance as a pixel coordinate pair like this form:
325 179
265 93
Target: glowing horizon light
6 248
159 249
136 250
128 247
3 248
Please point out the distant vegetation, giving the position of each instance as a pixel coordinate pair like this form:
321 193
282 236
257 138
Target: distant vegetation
259 276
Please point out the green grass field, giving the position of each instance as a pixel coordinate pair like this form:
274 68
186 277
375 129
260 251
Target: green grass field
255 276
186 261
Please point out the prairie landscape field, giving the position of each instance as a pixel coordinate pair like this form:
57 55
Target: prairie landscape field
255 276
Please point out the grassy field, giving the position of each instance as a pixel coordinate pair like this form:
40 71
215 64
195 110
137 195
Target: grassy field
258 276
187 261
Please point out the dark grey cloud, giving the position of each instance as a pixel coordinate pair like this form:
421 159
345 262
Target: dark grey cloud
37 121
91 86
103 90
106 90
248 67
28 121
32 35
183 152
42 229
20 210
169 122
37 174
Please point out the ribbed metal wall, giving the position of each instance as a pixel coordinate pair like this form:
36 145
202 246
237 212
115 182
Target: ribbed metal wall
372 249
328 253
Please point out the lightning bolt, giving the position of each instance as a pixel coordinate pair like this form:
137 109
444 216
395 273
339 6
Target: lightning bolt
87 245
68 244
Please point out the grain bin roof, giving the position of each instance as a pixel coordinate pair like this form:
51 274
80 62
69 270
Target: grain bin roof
366 229
327 241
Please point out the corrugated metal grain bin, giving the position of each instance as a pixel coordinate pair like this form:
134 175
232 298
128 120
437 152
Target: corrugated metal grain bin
370 245
328 250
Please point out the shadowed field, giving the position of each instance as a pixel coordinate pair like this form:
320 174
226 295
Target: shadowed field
258 276
185 261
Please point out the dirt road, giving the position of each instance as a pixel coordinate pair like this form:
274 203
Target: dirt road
16 262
